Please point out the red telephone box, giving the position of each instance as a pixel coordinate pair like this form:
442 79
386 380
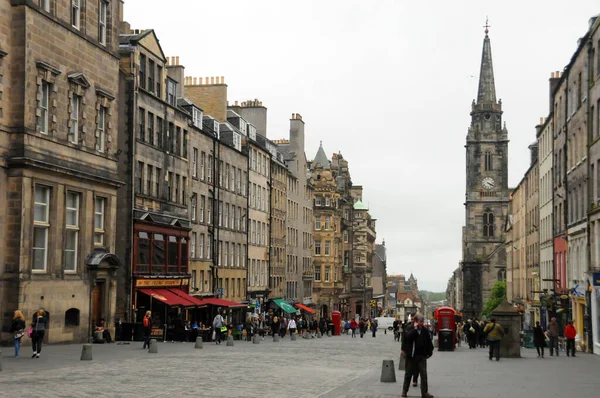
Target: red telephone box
446 328
336 318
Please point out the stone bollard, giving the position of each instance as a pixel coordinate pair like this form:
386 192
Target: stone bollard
275 338
229 341
388 374
198 342
319 335
293 336
86 352
153 346
256 339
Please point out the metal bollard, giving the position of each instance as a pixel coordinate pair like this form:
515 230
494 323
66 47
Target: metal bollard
229 341
388 374
86 352
198 342
153 346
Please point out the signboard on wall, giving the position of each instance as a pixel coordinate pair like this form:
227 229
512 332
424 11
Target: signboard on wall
158 282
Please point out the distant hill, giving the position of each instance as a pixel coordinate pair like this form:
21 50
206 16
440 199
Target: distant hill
432 296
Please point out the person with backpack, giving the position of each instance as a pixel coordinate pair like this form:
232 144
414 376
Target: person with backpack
218 324
495 333
147 323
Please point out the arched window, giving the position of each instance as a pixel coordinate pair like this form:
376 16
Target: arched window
501 275
488 161
72 317
488 223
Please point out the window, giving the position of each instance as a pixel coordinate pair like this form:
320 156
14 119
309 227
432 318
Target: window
226 215
157 182
201 246
72 231
159 132
183 195
345 236
202 202
209 170
327 201
193 250
327 219
220 173
209 243
102 22
488 161
488 224
209 211
317 273
195 162
150 128
185 144
318 248
318 201
141 124
327 273
74 129
318 223
45 4
170 186
41 224
232 176
44 107
171 91
101 135
142 71
150 75
75 13
177 188
139 178
72 317
99 211
202 161
197 117
149 173
194 200
327 247
177 141
239 181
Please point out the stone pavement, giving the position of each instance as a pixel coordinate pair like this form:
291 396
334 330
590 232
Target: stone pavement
327 368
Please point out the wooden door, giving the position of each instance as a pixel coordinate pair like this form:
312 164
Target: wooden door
97 302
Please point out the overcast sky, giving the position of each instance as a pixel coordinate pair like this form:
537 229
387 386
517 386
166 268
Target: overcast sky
389 84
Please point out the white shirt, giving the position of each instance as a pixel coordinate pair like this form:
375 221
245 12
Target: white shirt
292 324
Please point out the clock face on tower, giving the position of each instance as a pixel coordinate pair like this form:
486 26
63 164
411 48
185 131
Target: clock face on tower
488 183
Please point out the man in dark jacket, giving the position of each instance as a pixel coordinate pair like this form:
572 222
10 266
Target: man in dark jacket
417 347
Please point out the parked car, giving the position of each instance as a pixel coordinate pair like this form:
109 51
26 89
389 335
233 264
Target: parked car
386 322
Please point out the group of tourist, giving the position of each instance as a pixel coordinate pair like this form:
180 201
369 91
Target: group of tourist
479 333
36 331
541 338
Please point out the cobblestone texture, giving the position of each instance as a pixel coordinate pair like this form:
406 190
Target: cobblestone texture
327 368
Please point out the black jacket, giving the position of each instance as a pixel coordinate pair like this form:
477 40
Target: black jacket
418 345
17 324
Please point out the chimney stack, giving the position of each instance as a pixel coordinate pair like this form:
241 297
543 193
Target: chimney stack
554 79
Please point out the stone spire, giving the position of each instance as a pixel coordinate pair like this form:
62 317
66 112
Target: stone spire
487 88
321 158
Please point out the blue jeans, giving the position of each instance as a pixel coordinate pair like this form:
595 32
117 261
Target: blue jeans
17 346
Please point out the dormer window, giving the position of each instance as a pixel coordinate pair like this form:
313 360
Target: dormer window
197 117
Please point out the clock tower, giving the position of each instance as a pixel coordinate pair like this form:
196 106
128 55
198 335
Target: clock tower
487 193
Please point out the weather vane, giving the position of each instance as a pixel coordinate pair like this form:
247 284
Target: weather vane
487 25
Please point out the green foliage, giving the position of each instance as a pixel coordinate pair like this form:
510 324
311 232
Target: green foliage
497 295
432 296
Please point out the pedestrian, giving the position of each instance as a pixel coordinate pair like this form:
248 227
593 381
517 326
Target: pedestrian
17 328
218 324
353 326
38 325
147 324
292 326
494 332
539 339
374 328
459 333
409 326
471 333
274 326
570 334
553 336
396 328
362 327
417 347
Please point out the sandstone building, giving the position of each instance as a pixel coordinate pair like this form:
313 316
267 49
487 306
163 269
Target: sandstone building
59 105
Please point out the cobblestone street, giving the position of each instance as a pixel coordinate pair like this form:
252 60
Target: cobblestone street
328 367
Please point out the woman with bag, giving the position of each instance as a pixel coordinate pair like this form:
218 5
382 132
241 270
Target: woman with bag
39 328
539 339
17 328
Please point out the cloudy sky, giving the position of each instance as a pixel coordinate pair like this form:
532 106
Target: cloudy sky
388 84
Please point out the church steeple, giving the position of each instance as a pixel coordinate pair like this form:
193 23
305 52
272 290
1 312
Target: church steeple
487 88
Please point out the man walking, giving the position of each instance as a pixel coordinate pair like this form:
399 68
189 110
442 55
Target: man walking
417 348
570 334
494 332
553 336
218 323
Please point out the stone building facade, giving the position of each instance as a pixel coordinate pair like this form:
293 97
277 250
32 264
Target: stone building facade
545 157
300 195
487 193
58 164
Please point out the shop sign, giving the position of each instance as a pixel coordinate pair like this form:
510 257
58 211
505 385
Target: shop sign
536 304
596 279
157 333
307 300
157 282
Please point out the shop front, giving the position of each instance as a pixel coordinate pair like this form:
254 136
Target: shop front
595 311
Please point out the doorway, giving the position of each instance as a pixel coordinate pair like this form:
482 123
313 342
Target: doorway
97 302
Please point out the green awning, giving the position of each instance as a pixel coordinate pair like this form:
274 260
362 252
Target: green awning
284 305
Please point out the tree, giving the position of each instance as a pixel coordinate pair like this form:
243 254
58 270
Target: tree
497 295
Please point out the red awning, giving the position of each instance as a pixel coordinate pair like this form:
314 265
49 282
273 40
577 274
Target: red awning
305 308
186 296
165 296
220 303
